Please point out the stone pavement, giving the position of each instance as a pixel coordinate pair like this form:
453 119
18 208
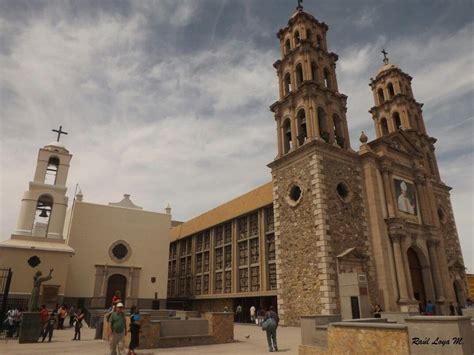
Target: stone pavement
288 340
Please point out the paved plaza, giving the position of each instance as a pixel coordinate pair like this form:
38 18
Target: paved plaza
248 340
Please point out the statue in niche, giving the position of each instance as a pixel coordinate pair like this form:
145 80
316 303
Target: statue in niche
37 281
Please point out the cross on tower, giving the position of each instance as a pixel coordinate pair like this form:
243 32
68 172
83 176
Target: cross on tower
385 58
59 132
300 6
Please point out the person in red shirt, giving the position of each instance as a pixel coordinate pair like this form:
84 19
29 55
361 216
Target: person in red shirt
44 317
116 298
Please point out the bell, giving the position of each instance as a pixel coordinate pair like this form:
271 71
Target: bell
43 213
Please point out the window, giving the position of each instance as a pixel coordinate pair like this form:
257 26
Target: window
269 219
44 207
308 34
322 124
253 221
391 91
272 280
287 46
314 72
254 279
228 256
219 236
287 143
441 215
327 78
303 134
295 193
244 280
242 228
381 96
218 282
343 192
227 233
243 253
271 246
384 126
51 171
254 251
297 38
396 120
287 82
120 251
228 282
338 131
299 75
219 259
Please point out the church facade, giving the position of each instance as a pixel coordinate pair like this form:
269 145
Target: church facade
337 230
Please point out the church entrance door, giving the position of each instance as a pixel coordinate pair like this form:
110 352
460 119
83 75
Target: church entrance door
416 273
116 282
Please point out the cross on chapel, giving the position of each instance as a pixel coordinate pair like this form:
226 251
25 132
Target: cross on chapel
59 132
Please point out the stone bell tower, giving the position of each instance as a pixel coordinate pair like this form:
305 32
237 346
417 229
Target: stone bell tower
43 207
317 193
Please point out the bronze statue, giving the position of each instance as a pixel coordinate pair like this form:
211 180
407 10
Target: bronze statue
37 281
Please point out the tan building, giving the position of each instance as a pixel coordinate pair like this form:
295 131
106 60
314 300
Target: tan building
350 229
94 249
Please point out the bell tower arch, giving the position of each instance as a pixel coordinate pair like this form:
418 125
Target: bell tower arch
43 206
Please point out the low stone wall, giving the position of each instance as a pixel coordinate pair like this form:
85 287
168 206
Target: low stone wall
214 328
398 317
313 328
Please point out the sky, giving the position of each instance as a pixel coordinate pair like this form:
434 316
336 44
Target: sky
169 100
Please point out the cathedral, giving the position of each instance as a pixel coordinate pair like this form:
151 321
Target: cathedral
336 230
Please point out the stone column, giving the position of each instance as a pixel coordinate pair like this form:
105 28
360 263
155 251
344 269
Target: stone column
432 246
279 137
400 268
422 200
387 181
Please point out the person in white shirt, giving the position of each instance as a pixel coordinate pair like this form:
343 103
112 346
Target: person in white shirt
252 314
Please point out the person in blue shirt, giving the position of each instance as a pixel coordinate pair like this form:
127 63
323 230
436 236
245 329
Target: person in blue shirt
135 321
429 309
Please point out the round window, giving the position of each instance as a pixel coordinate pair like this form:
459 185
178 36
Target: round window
120 251
343 192
295 193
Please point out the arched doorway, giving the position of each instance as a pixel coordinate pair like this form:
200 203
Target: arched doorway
115 282
416 273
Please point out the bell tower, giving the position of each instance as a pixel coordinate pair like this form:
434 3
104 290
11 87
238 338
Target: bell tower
395 106
310 106
43 207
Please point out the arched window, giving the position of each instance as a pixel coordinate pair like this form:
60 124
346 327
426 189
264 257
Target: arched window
302 131
391 91
287 46
322 124
327 78
287 136
384 126
314 72
319 42
51 171
308 34
287 82
44 207
381 96
396 120
297 38
299 74
338 131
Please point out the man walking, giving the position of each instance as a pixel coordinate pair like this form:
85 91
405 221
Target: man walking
49 327
252 314
117 330
270 325
238 313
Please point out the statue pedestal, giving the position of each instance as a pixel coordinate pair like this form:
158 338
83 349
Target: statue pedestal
30 328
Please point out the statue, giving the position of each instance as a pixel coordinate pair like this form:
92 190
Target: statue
37 281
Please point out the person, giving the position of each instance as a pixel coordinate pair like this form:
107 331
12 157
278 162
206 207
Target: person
72 316
117 330
238 313
10 322
226 309
135 322
116 298
44 315
252 314
18 318
452 310
377 311
271 321
404 202
49 327
62 314
79 316
429 309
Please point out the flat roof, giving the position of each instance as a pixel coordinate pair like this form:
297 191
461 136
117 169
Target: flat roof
250 201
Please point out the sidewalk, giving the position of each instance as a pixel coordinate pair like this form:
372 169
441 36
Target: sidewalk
288 340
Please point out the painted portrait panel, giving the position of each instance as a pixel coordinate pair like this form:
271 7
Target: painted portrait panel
406 197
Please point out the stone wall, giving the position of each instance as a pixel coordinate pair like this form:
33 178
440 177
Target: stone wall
213 305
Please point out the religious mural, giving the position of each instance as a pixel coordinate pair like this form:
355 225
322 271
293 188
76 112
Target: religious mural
406 197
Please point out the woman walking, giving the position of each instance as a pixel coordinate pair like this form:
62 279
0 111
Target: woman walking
78 324
134 330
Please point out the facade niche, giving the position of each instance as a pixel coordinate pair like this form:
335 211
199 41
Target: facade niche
308 34
384 126
297 38
287 46
338 131
319 42
314 72
299 74
327 78
303 134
